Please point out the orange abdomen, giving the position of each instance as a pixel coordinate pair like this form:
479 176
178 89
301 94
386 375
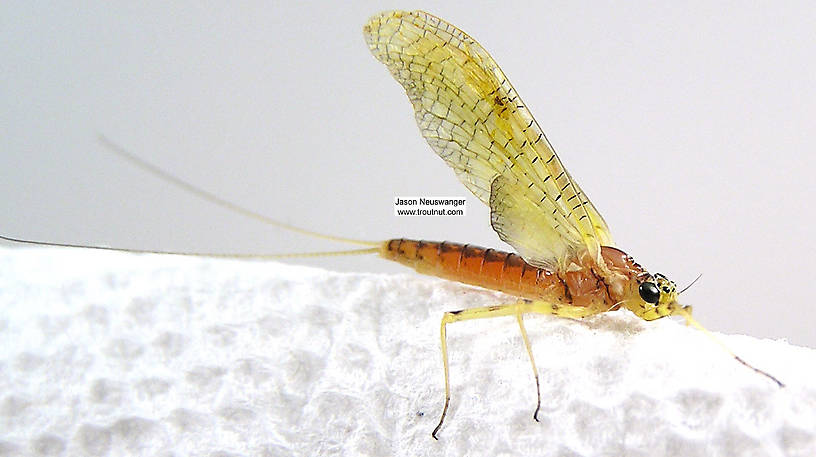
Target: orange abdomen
488 268
509 273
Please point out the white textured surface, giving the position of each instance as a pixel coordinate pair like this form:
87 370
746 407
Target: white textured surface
116 354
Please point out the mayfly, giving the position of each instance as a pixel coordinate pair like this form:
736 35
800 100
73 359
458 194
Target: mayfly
565 263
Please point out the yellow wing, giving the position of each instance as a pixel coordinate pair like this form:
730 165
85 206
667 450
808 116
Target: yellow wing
472 117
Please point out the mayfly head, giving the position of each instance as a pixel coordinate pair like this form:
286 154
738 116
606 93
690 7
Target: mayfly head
658 297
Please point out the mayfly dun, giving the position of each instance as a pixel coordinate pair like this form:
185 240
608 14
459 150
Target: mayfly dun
565 263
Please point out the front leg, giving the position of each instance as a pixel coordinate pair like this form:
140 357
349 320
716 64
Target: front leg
513 309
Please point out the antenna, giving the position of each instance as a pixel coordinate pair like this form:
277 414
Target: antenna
690 284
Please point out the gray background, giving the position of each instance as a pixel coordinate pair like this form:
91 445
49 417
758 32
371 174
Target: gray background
689 126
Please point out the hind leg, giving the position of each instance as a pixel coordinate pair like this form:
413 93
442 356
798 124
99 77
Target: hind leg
513 309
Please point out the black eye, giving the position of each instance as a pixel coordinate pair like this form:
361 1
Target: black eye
649 292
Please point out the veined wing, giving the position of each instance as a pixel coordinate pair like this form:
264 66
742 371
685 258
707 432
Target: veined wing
473 118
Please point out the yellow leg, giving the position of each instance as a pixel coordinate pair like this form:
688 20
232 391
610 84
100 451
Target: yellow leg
513 309
532 362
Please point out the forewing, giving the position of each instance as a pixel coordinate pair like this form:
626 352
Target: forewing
516 215
473 118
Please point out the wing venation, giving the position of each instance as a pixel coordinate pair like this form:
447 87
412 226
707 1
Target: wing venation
472 117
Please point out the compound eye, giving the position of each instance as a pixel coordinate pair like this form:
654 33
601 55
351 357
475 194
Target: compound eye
649 292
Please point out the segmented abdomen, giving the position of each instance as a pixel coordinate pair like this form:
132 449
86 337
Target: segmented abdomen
488 268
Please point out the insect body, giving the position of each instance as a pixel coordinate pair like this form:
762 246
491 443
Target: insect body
472 117
510 273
